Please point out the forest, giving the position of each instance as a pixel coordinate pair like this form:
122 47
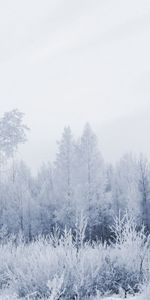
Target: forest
79 228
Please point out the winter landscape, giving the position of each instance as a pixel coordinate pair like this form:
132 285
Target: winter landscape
74 150
79 229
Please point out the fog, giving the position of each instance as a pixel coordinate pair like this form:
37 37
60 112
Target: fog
69 62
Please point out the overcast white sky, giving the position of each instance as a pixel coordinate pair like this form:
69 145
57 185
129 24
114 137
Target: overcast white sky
67 62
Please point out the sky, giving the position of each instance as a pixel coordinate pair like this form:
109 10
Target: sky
66 62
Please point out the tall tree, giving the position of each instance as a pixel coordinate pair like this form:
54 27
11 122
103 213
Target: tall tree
91 176
125 186
63 175
12 133
144 188
45 198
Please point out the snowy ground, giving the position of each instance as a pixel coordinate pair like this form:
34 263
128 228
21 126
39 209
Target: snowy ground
137 297
9 296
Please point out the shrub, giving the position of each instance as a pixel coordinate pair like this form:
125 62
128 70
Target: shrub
66 267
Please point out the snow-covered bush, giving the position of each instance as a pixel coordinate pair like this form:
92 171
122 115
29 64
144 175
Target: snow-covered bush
61 266
129 254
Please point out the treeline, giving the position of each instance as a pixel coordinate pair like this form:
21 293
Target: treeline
79 184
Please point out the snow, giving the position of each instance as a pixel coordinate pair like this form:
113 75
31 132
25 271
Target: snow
136 297
59 62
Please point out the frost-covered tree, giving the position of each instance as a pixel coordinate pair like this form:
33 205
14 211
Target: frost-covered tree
144 189
18 203
78 181
45 199
90 165
91 177
125 189
63 177
12 134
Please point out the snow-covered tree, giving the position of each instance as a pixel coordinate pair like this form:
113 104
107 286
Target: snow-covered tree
45 199
63 177
18 206
125 189
12 132
91 177
144 189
